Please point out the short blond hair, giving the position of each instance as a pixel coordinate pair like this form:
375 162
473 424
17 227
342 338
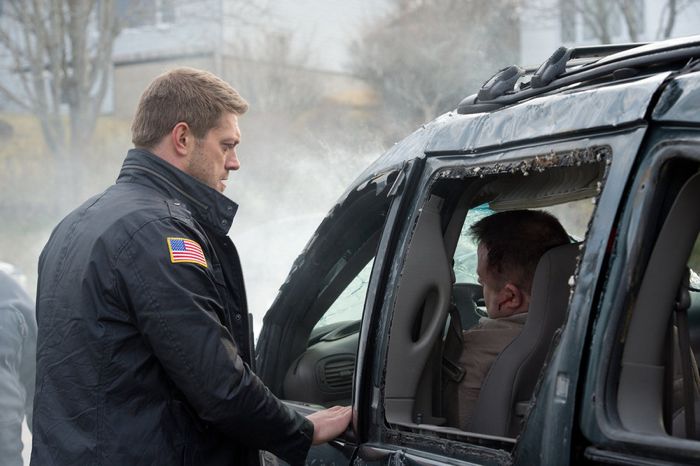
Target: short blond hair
196 97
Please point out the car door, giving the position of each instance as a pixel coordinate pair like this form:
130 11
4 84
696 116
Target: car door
410 423
641 394
313 348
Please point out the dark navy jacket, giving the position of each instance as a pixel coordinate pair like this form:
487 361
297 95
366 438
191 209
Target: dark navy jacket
144 357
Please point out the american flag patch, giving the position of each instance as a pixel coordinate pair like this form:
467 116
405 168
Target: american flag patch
186 250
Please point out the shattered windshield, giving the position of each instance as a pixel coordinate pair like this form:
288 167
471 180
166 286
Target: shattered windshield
465 254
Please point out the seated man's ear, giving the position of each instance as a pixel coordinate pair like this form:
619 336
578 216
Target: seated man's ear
513 299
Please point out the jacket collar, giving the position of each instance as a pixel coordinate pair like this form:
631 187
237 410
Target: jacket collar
207 205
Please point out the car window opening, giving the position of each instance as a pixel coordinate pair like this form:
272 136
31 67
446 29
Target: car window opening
320 362
439 293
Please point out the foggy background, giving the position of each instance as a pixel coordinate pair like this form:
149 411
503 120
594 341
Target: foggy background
331 85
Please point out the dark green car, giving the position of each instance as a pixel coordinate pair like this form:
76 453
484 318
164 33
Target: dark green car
608 139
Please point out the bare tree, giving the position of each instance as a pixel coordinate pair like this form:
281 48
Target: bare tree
599 17
607 20
56 60
279 76
425 56
60 53
603 17
670 12
632 17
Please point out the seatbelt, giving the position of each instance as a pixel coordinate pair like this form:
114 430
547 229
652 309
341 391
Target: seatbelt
453 348
670 376
681 307
452 373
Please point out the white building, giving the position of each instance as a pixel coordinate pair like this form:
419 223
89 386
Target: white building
234 37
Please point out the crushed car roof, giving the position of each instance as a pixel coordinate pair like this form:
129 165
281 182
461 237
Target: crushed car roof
621 100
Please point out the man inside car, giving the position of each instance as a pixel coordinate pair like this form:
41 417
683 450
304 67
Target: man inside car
510 244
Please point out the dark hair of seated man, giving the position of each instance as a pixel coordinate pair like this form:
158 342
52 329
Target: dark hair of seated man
510 244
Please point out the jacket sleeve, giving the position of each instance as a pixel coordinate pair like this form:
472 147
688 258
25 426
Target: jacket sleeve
177 308
13 330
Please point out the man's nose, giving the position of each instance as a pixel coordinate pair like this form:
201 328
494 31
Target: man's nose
232 162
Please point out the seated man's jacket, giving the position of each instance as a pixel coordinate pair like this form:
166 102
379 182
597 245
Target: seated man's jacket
143 348
481 345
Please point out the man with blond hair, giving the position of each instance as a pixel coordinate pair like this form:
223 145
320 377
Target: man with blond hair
144 350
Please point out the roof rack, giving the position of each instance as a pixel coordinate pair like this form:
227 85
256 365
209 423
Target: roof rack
556 65
598 51
502 89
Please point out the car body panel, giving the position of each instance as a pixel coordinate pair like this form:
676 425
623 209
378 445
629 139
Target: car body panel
597 422
381 454
680 101
366 378
547 117
551 421
410 148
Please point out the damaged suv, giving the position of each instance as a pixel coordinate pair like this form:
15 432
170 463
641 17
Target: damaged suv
608 139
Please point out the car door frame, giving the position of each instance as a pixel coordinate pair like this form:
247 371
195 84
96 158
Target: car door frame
383 441
345 445
608 441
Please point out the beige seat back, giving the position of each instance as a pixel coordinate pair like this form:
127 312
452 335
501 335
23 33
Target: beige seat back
508 387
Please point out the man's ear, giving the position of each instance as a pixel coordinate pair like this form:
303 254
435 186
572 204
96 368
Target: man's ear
513 299
182 138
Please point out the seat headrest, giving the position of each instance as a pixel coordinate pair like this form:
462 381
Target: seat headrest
550 287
